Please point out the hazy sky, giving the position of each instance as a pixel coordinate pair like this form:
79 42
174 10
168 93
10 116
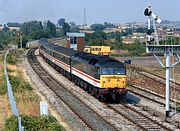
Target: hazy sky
115 11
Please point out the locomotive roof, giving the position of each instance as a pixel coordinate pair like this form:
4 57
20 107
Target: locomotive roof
84 57
97 60
57 48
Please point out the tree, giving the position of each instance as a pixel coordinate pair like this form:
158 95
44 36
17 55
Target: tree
66 28
28 27
5 29
61 22
72 23
96 38
97 27
109 25
36 30
129 31
137 41
118 36
74 29
52 28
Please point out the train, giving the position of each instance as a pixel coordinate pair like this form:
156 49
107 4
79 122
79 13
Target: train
98 50
101 76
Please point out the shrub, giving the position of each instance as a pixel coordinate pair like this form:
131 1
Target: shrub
42 123
3 88
11 60
18 84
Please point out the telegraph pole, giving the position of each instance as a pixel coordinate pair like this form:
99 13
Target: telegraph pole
21 40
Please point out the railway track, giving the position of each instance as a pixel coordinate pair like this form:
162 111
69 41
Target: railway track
159 79
141 120
92 119
150 95
155 77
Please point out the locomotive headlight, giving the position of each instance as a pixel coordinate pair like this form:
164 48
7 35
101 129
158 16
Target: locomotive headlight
109 80
104 82
118 80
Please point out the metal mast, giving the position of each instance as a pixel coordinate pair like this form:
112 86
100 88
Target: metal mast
167 50
84 18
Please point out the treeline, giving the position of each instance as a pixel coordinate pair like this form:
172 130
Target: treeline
100 27
7 37
34 30
115 41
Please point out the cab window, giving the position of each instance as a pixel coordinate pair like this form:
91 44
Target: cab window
119 71
107 71
113 71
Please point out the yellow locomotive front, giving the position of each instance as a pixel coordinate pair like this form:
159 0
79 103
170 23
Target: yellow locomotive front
113 81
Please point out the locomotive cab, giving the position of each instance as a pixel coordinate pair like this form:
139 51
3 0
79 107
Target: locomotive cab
113 77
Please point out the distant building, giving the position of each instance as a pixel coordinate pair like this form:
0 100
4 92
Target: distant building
132 40
109 30
135 36
1 27
86 29
14 28
10 28
128 40
161 34
176 33
76 41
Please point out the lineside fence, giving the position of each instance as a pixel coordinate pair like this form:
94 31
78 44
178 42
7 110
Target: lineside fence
12 100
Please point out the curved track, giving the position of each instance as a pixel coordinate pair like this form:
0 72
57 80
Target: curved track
93 120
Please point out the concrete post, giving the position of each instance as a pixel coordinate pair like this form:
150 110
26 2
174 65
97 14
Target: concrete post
167 84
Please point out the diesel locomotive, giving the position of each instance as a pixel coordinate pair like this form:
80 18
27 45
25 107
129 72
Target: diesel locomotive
101 76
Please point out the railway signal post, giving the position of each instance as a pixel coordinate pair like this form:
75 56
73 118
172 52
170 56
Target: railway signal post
167 50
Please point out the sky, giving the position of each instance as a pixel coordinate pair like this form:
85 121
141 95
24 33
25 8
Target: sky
97 11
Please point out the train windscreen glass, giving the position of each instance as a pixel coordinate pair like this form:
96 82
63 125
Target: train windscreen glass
113 71
119 71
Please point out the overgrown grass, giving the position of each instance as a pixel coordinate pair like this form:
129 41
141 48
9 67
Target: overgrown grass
18 84
3 88
27 101
11 59
42 123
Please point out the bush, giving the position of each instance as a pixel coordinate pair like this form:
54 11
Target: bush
3 88
18 84
11 60
42 123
